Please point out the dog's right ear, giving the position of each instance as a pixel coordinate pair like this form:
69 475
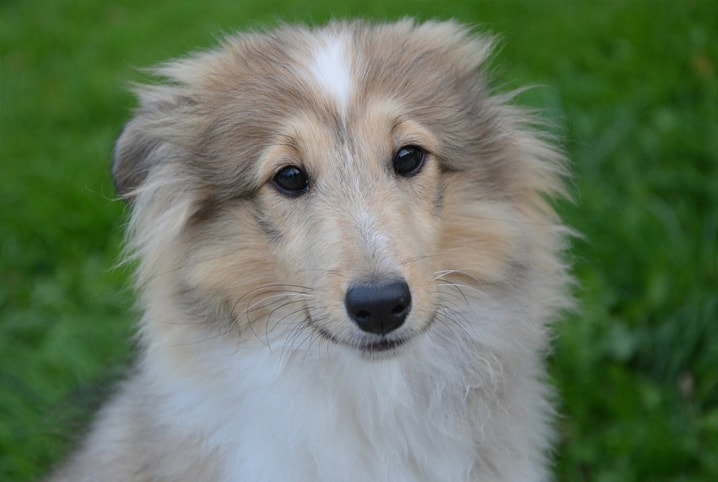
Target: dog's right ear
152 136
135 153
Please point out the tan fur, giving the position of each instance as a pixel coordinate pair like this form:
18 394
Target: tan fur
227 265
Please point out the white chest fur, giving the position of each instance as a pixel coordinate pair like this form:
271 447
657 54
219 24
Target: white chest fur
335 418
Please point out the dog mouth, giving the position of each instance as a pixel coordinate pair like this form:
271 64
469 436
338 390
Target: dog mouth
370 347
381 346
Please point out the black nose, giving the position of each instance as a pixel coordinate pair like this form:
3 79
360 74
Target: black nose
379 307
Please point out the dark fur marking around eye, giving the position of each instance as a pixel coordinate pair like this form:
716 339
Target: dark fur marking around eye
206 211
215 201
449 168
265 224
439 199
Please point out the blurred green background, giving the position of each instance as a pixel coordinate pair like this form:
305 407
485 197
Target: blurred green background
632 88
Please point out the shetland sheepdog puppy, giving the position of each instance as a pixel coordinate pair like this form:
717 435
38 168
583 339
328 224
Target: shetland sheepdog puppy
347 264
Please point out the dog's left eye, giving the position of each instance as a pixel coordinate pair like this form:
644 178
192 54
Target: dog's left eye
409 160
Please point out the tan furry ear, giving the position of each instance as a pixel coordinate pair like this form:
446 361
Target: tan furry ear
153 136
135 152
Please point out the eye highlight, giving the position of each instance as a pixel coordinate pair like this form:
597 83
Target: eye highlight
409 160
291 181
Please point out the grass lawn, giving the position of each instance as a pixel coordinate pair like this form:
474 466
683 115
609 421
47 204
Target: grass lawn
632 86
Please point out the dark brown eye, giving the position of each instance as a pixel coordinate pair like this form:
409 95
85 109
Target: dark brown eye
291 181
409 160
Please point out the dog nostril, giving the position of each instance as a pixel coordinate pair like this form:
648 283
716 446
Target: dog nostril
380 307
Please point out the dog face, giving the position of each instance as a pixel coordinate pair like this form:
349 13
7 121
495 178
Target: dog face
343 184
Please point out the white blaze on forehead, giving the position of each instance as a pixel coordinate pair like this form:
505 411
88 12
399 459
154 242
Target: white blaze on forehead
330 67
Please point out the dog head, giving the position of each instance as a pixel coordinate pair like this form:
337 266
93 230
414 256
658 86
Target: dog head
348 184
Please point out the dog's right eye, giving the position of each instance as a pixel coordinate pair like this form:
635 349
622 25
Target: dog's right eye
291 181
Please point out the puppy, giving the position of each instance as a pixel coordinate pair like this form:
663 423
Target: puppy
347 264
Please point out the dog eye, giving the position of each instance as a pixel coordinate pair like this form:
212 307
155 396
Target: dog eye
291 181
408 160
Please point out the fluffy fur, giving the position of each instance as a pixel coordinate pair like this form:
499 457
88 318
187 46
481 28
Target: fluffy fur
251 368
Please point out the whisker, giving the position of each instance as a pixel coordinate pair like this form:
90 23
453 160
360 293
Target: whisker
456 318
269 301
273 327
441 275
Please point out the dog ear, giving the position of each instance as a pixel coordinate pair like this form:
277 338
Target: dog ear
155 135
135 153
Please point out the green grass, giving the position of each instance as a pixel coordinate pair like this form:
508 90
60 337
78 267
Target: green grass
633 87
